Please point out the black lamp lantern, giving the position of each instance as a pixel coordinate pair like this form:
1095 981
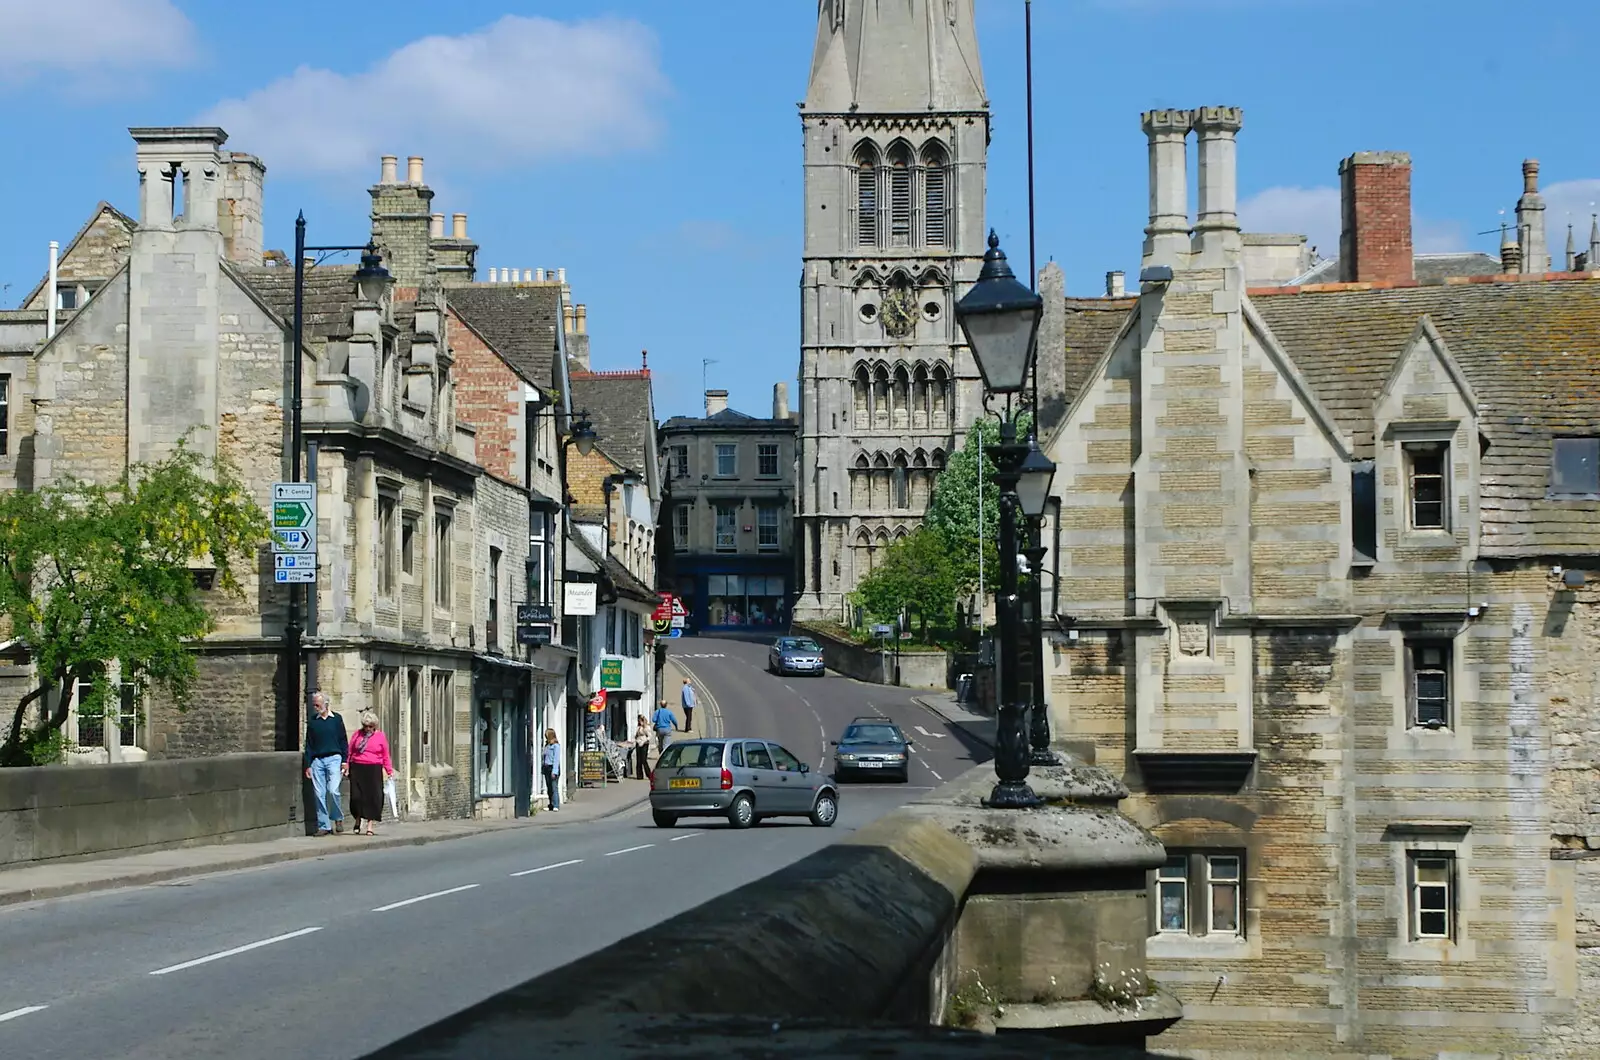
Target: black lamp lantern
1033 485
371 278
583 435
1000 317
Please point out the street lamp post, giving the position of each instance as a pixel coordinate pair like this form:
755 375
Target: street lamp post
371 279
1000 318
1034 491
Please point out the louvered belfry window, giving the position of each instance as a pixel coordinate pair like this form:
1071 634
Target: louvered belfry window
900 204
934 218
867 203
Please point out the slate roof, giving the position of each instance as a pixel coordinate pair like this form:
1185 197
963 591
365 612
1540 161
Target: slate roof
1530 351
519 321
728 419
330 296
626 582
1426 268
622 411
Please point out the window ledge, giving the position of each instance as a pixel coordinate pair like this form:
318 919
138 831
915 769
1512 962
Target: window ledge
1211 947
1442 951
441 771
1167 772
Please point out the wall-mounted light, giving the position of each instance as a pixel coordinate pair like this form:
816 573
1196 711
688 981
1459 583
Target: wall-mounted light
1573 579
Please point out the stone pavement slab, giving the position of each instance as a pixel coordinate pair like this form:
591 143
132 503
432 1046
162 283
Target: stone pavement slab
60 878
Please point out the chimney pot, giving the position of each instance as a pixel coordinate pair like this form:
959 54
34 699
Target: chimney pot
516 275
459 222
582 312
388 166
1375 207
310 260
561 275
414 169
1530 175
1167 236
538 274
569 319
436 226
780 401
716 401
1116 284
494 275
1216 229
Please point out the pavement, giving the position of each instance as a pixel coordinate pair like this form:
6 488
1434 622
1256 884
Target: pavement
976 725
268 950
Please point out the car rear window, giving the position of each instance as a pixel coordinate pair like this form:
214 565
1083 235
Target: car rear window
703 755
873 734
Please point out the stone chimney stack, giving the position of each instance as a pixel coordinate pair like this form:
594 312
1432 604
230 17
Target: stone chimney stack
1375 208
436 226
1530 221
402 224
239 214
716 401
387 169
1217 241
1116 284
780 401
1167 237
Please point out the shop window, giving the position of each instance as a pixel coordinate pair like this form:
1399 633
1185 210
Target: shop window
745 599
1200 893
494 748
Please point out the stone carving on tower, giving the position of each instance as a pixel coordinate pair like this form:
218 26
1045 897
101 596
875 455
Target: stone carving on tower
896 133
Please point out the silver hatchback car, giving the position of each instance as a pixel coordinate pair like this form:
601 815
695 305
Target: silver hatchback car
742 780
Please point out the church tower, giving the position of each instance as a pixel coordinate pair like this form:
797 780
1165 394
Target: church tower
896 126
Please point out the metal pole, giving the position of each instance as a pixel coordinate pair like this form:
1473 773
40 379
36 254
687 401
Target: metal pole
1039 712
291 629
311 590
1033 265
1011 738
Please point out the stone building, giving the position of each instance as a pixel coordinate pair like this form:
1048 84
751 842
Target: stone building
1324 565
896 133
730 489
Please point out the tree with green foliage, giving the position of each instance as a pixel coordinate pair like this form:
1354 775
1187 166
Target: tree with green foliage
917 574
95 582
953 508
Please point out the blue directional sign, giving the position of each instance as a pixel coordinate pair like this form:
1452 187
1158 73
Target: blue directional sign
293 541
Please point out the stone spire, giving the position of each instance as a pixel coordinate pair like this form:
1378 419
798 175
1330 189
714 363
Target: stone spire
1572 250
893 58
1593 260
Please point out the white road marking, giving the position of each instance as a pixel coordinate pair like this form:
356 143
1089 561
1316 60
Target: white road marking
934 735
547 868
235 951
26 1010
424 898
686 835
936 776
630 850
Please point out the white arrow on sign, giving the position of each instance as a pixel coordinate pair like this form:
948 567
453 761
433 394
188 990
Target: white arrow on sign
935 735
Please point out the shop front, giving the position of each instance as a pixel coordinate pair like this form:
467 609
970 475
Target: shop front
503 738
749 593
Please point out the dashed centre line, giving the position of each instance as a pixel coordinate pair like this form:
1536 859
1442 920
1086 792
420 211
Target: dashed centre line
630 850
676 838
547 868
235 951
424 898
26 1010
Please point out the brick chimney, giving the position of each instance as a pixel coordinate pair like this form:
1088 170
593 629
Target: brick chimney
716 401
1375 209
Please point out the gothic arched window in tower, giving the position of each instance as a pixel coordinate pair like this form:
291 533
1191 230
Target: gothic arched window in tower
900 196
935 194
861 484
940 386
900 483
861 397
900 414
919 397
880 482
880 398
867 195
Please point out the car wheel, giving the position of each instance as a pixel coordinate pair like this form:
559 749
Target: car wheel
742 814
664 820
826 811
905 778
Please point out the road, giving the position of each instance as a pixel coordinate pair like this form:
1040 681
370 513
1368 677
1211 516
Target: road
336 956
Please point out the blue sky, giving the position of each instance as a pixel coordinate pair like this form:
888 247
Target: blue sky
652 148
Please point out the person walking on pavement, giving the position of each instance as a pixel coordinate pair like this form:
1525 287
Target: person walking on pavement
369 764
688 705
327 751
641 748
664 723
550 766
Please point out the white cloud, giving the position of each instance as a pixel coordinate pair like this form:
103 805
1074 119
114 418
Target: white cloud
1568 202
92 44
1310 212
1438 237
519 91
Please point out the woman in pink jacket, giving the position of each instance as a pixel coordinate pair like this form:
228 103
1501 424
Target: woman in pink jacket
369 764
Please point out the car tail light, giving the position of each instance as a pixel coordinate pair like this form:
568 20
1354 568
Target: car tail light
727 780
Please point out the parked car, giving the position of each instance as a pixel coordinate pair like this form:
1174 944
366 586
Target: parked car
743 780
875 747
795 655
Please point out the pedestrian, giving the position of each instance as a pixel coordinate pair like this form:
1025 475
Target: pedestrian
641 748
550 766
369 765
326 756
688 705
664 723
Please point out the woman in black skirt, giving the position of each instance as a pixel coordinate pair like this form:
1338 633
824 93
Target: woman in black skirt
369 764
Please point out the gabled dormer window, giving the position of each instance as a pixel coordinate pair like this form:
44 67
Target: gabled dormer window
1574 468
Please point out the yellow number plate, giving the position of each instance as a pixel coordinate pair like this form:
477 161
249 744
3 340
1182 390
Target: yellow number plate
684 782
